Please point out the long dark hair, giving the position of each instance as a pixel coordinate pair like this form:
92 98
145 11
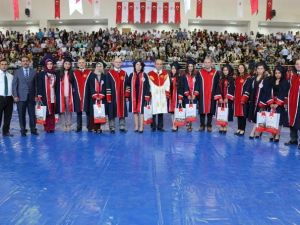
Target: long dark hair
142 65
245 69
230 71
282 70
62 71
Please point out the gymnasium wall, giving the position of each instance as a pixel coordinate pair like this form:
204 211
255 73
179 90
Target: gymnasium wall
43 11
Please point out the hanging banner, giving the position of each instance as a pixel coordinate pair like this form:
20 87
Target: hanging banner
199 8
28 4
119 12
16 9
254 6
240 8
75 5
269 9
96 8
177 13
57 9
187 6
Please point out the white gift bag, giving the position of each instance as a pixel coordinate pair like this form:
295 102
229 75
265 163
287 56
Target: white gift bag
179 116
191 113
148 114
40 113
99 113
261 121
222 116
272 122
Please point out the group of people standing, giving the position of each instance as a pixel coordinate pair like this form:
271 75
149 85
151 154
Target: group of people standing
71 90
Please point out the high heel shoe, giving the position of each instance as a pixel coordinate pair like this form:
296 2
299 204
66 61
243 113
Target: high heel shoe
258 136
242 133
251 137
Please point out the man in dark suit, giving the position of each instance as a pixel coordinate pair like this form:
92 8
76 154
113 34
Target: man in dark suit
24 93
6 99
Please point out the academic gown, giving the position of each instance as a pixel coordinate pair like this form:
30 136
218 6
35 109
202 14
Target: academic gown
241 84
207 87
278 95
225 90
160 91
115 93
256 96
293 101
60 93
138 91
175 91
43 90
190 87
80 95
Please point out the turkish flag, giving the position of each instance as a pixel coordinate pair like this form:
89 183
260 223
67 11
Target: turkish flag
143 11
254 6
269 9
154 12
166 12
199 8
57 9
131 12
16 9
177 12
119 12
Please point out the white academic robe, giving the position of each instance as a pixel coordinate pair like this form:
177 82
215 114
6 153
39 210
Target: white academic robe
160 90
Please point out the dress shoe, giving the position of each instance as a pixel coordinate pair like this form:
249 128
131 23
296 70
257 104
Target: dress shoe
291 143
153 129
34 133
23 134
202 128
209 129
8 135
161 129
123 130
78 130
141 131
112 131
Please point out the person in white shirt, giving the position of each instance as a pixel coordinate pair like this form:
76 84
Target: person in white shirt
6 99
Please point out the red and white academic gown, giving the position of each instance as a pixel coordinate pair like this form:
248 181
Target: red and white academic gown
79 84
160 91
293 101
241 83
60 93
115 93
46 83
208 84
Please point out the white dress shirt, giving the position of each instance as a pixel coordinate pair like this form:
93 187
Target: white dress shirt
9 82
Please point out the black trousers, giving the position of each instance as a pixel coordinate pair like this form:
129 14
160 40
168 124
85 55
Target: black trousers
79 120
209 119
294 134
6 108
241 122
160 121
24 106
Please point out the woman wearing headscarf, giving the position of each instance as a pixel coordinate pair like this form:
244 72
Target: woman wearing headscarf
138 92
96 85
46 82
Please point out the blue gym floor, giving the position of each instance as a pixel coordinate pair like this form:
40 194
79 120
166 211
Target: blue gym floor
147 179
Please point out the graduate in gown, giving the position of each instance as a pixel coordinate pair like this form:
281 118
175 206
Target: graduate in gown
225 93
79 83
209 80
138 91
96 89
64 94
277 97
242 83
46 82
115 95
160 92
190 90
294 105
256 96
175 90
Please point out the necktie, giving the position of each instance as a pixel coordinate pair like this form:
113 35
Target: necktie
5 84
